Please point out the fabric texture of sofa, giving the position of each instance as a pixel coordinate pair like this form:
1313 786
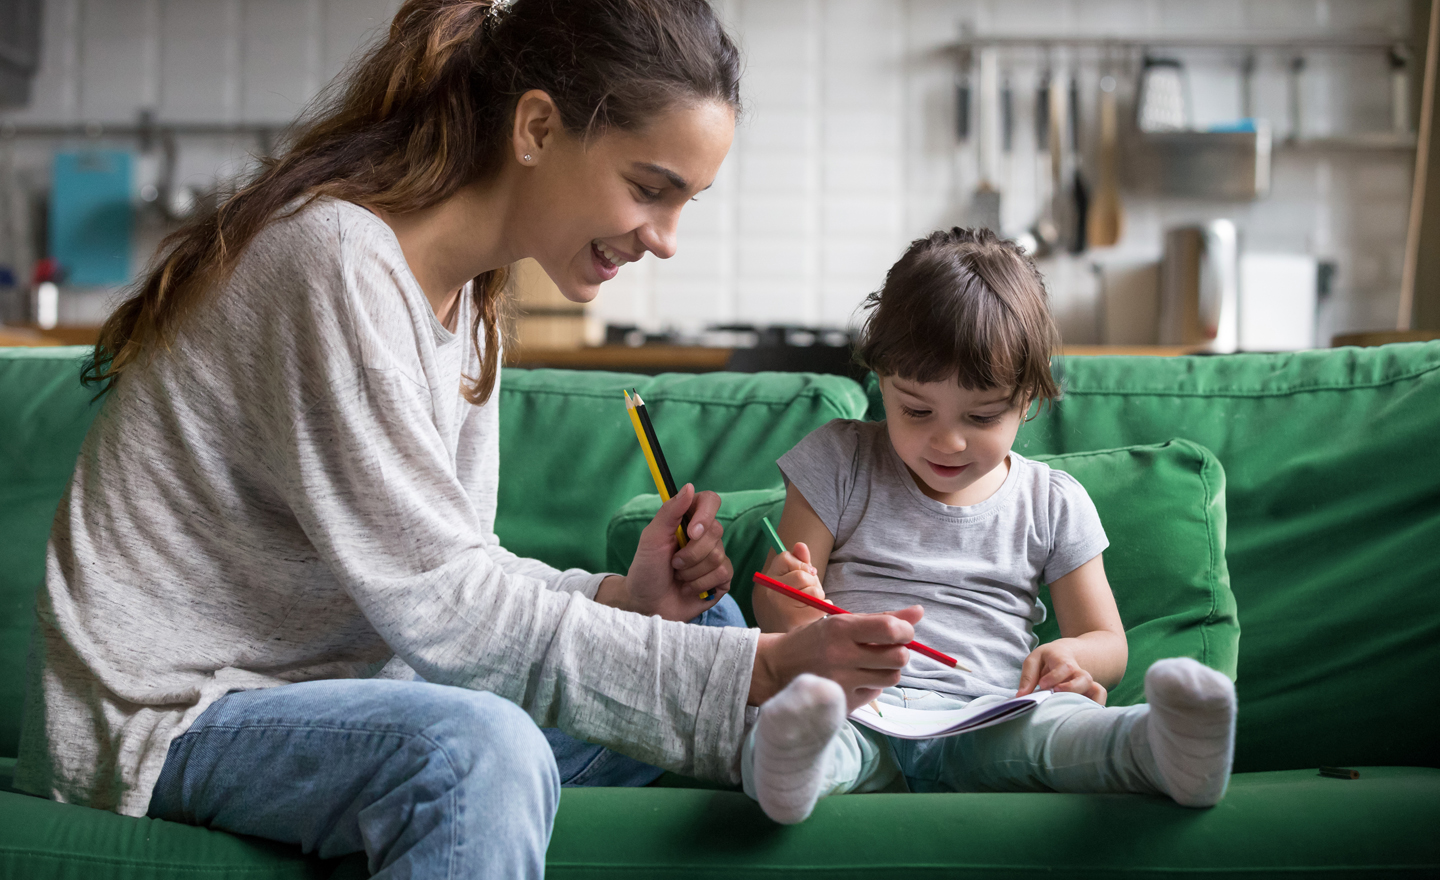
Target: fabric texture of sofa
1277 517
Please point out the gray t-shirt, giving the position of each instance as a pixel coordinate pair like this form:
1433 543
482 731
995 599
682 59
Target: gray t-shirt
976 570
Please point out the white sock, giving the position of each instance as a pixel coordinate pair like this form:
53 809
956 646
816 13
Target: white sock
1191 729
791 735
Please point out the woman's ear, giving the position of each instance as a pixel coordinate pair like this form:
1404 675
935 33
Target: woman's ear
537 122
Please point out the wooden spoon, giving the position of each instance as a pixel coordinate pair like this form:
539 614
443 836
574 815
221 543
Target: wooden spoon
1107 219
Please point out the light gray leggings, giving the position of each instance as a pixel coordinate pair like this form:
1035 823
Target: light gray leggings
1068 743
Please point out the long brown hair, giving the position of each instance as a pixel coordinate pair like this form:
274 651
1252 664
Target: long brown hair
426 111
963 304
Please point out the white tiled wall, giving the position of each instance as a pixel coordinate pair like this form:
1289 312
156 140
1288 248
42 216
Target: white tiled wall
846 151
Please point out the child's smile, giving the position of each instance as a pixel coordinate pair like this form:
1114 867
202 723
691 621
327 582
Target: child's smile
953 439
946 471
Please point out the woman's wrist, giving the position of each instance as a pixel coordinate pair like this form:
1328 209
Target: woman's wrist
614 592
765 678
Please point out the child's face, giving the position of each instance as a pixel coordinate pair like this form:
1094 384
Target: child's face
953 440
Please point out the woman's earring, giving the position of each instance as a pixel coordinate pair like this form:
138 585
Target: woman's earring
527 157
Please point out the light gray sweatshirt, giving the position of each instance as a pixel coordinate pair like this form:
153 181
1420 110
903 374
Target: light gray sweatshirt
296 490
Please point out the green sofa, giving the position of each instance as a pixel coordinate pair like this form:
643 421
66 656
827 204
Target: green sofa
1297 519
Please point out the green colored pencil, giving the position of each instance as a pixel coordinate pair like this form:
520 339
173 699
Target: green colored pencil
774 535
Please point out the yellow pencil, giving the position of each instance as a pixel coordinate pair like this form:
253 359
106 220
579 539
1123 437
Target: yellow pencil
654 467
649 454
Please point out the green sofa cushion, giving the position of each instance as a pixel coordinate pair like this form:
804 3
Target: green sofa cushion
571 458
1290 822
45 839
1162 506
44 413
1269 824
1332 469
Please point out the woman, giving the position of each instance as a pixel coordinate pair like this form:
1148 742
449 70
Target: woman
288 495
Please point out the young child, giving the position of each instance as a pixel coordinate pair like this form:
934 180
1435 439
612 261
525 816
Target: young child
931 507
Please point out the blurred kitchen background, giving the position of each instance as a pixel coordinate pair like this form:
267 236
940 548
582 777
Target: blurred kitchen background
1192 175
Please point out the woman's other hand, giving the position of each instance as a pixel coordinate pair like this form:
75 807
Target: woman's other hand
863 653
667 579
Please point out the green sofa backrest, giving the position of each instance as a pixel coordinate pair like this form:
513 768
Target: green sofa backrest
571 461
571 458
1332 467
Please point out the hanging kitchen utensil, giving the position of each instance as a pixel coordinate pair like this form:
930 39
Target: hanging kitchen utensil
962 96
1061 205
985 203
1007 116
1163 103
1043 230
1079 187
1106 220
1296 97
1400 88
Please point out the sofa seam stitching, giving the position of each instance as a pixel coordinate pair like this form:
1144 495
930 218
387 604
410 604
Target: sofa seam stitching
1211 575
1258 393
812 393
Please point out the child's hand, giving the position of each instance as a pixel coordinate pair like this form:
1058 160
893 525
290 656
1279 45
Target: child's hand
1053 666
793 569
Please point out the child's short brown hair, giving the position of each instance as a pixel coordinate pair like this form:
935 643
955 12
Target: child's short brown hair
967 305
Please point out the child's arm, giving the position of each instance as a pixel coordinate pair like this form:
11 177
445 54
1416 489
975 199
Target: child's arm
803 567
1091 654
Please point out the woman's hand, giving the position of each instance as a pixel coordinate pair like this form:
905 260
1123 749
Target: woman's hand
1053 666
669 583
863 653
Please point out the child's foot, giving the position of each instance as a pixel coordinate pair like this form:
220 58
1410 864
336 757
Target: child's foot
1191 729
791 734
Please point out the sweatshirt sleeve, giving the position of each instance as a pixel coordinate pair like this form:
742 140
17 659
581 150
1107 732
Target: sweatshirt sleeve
359 461
477 467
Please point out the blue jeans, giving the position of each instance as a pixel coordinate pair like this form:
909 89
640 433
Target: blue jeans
428 780
584 764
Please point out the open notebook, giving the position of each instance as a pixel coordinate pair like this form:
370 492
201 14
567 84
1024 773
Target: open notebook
930 723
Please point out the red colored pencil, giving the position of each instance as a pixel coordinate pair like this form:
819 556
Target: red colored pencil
836 609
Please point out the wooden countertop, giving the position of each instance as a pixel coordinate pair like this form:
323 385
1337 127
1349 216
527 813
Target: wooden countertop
640 359
696 359
31 335
621 358
24 337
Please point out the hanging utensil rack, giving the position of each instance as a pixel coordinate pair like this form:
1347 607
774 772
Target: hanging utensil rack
1134 48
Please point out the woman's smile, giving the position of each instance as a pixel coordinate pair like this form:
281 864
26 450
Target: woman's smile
604 268
607 260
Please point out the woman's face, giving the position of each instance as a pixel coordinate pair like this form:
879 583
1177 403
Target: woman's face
592 208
